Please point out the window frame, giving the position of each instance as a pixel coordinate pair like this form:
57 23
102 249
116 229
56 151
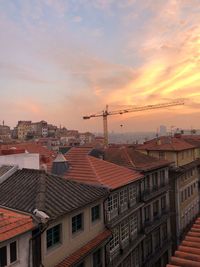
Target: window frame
77 230
54 244
93 216
8 253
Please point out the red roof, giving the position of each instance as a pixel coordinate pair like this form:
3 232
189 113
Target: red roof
88 169
131 158
188 253
166 143
81 253
13 224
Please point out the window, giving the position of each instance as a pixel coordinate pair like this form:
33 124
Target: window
157 238
112 202
163 203
3 256
155 180
147 183
188 191
155 208
97 258
182 196
123 196
164 232
191 189
148 246
147 214
82 264
96 211
133 224
77 223
124 230
162 177
132 193
13 252
8 254
53 236
114 242
161 155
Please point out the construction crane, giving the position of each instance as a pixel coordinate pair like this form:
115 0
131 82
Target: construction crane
105 113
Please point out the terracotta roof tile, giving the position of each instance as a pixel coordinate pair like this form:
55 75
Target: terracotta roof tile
188 253
166 143
131 158
88 169
81 253
13 224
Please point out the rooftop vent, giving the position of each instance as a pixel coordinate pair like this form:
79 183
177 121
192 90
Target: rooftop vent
60 165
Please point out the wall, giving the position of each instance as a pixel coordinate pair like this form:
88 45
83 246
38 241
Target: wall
72 242
23 160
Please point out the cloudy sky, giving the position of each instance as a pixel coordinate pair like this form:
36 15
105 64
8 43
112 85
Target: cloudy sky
62 59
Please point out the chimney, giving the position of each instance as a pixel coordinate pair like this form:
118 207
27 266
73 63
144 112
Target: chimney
60 165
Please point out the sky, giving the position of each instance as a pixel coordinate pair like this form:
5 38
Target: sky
63 59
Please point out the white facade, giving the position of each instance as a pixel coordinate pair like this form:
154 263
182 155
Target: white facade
22 160
22 245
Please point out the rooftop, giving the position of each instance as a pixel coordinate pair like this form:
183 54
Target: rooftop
34 189
166 143
91 170
131 158
4 169
188 253
13 223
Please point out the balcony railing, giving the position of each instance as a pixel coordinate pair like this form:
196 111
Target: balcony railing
149 193
156 221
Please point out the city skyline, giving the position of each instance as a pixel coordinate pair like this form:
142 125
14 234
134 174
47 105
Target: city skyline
61 60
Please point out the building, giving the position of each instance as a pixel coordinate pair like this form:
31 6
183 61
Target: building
23 128
15 234
39 129
183 177
154 194
123 207
187 254
70 229
86 138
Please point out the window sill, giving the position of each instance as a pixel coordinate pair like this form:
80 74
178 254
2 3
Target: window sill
53 248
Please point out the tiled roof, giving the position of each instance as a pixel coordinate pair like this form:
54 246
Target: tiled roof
4 169
31 189
31 148
91 170
166 143
131 158
81 253
192 139
13 224
188 253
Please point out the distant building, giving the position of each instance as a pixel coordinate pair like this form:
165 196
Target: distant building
163 130
23 128
39 129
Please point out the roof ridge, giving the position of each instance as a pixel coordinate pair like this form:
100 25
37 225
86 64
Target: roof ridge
41 193
93 168
128 157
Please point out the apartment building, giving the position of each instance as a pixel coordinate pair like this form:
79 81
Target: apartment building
23 128
154 193
183 177
70 222
39 129
15 233
123 207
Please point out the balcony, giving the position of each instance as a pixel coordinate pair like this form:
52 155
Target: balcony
154 191
158 253
118 215
115 258
157 220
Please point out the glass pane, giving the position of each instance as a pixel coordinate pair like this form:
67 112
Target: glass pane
13 251
3 256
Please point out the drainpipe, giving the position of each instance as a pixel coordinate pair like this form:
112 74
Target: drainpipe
42 228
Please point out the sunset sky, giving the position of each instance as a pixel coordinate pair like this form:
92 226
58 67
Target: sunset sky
63 59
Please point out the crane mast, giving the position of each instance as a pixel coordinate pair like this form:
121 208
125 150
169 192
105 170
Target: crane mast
105 113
